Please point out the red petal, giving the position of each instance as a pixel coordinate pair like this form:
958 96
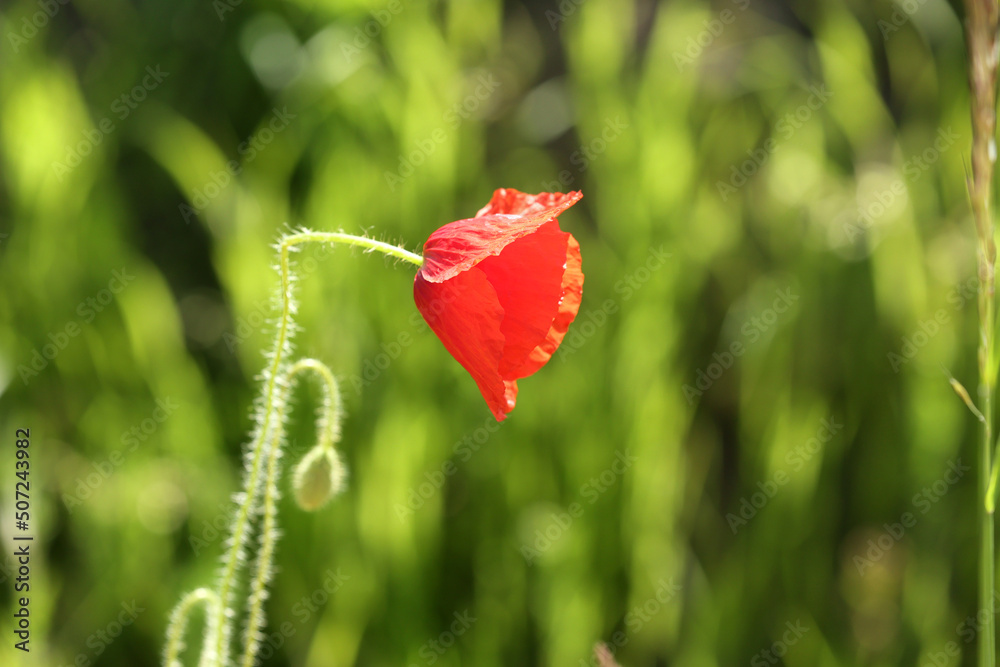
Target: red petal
501 289
465 314
460 245
508 201
527 277
569 304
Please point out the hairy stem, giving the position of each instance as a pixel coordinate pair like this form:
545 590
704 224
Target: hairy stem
328 432
216 649
179 621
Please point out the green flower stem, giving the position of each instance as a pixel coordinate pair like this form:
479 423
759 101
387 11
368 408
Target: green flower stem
981 21
987 479
328 432
179 620
216 648
328 427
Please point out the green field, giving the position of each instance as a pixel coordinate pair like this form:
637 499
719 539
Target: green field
746 450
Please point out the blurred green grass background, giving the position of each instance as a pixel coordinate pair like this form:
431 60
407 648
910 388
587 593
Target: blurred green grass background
729 153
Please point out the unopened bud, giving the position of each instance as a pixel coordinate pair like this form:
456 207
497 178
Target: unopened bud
319 476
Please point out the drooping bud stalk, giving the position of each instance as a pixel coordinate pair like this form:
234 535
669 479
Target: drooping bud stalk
320 475
331 410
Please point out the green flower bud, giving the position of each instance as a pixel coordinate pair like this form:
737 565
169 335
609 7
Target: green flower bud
319 476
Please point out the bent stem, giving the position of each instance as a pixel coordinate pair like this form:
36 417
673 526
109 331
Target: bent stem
179 621
328 430
265 444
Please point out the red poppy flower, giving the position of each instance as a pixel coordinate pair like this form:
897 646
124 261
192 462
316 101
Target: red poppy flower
500 289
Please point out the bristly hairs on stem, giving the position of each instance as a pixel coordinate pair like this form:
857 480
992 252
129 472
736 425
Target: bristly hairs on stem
179 621
319 476
328 433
